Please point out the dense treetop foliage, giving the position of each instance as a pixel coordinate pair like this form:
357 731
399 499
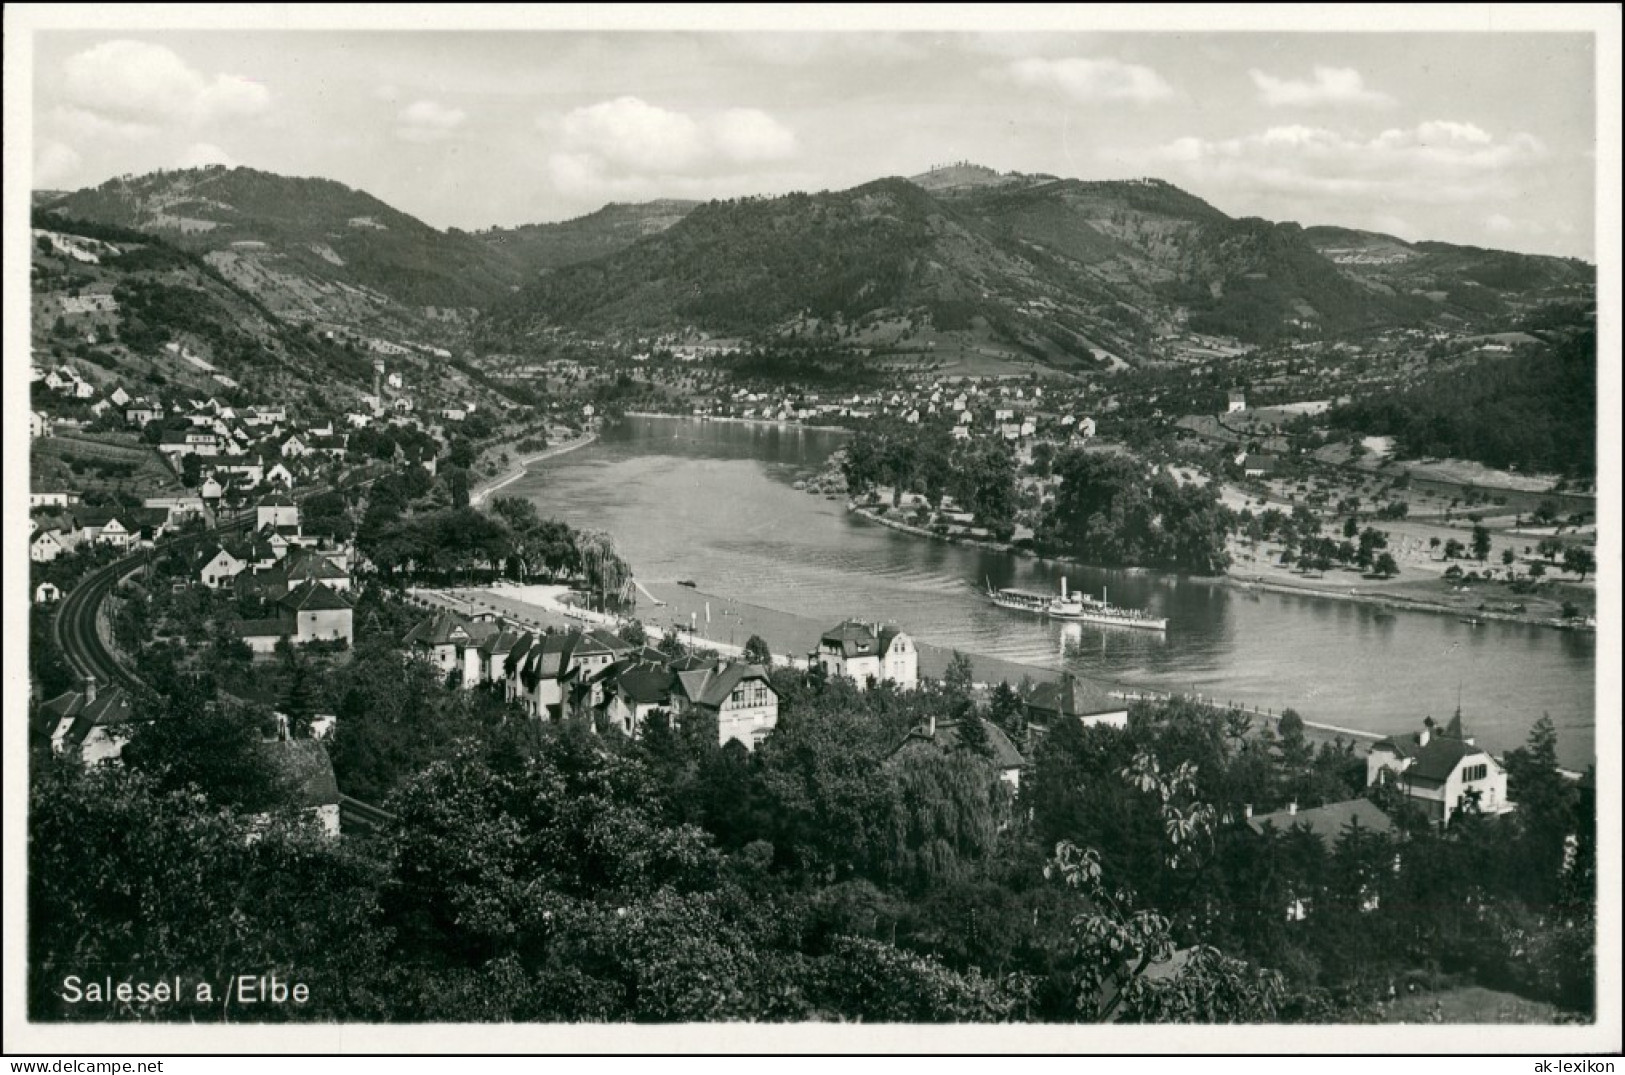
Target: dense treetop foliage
1535 410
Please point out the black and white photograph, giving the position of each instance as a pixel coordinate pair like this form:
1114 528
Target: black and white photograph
1066 530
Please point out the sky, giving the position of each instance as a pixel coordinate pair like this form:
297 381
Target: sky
1478 138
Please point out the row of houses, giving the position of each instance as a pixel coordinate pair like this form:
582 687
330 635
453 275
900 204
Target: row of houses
595 673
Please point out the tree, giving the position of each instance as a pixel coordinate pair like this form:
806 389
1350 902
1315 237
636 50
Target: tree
123 874
633 633
1454 550
671 644
1295 750
191 470
1118 940
757 652
958 683
1007 710
1579 560
973 735
1509 556
1481 542
1537 570
204 745
1386 565
302 696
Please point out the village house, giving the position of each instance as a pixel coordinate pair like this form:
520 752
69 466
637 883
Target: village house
142 411
867 654
276 511
216 567
305 767
104 528
1259 465
52 500
89 724
1441 771
1327 822
45 546
946 737
451 643
1075 699
634 689
39 424
47 593
312 612
291 567
739 696
539 673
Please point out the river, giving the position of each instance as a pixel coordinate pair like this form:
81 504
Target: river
713 502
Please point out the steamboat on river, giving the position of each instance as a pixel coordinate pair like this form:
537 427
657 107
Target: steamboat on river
1076 607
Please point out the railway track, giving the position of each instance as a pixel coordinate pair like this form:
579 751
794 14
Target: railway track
78 635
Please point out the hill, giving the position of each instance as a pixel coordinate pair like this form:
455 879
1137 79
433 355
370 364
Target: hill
137 311
1534 410
1463 282
1069 272
538 248
1065 270
312 250
964 175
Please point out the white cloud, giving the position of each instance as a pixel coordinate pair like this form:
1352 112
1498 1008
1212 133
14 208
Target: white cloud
1090 80
56 166
80 125
428 121
1331 86
1437 162
632 134
201 154
627 146
142 83
748 135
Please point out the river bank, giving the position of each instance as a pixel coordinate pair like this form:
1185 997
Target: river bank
1467 607
484 491
781 423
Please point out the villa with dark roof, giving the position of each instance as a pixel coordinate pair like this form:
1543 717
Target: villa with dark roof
1327 822
451 642
1441 770
948 736
740 696
633 690
867 653
89 724
1075 699
311 612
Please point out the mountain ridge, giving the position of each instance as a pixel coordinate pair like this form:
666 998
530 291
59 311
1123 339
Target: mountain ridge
1068 270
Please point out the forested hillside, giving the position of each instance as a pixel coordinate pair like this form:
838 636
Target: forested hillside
303 244
537 248
1535 410
154 314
